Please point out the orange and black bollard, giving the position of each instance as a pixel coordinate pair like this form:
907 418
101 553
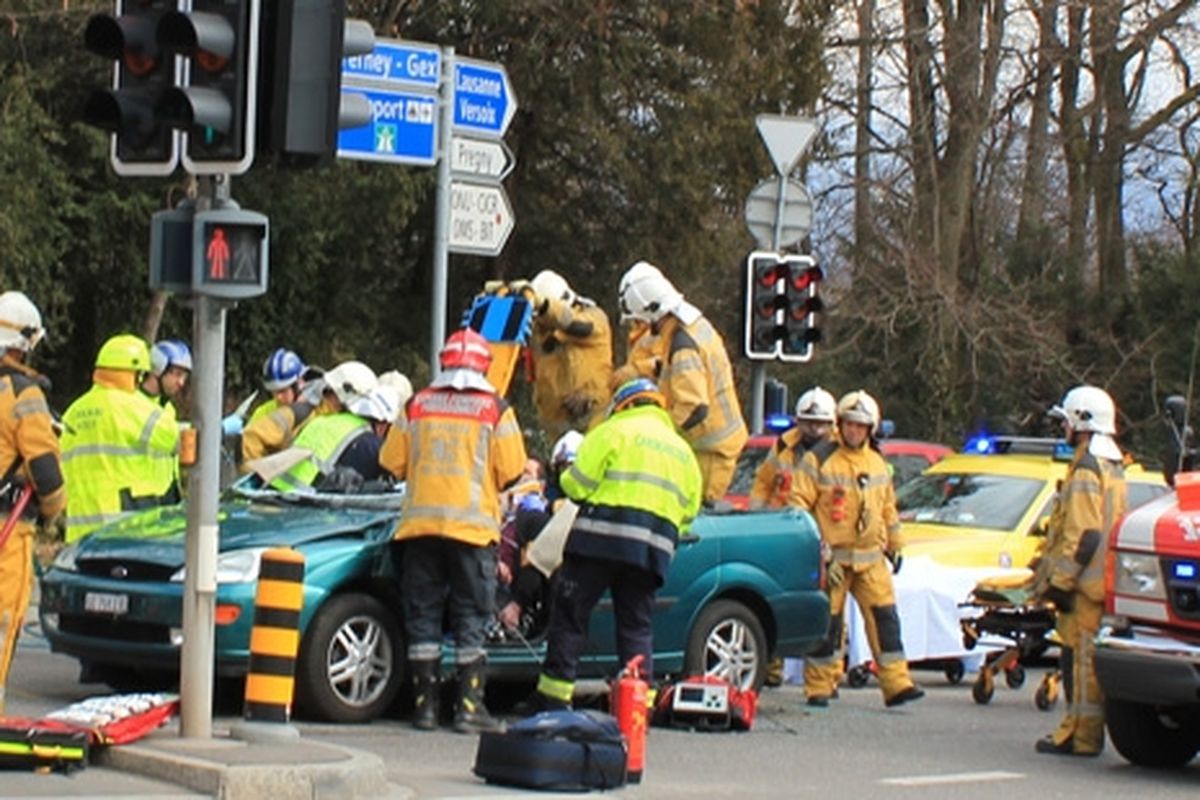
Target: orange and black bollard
275 637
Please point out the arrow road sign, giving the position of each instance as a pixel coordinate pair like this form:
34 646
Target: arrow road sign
786 138
762 209
480 218
395 62
403 129
484 103
479 158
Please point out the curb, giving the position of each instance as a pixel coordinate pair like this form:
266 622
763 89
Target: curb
204 766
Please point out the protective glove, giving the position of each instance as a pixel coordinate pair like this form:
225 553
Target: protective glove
835 575
493 287
232 425
522 286
896 558
1061 598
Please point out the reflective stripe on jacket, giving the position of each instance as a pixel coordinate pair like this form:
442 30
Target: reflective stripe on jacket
458 450
637 484
26 436
849 492
327 436
117 446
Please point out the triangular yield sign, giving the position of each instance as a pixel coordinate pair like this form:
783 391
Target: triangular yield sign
786 138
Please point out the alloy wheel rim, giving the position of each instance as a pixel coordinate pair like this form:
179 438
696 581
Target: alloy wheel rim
359 661
731 653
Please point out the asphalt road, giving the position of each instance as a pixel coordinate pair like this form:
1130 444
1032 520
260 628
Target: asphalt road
945 746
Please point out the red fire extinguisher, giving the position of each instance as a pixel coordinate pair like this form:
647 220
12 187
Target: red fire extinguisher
629 702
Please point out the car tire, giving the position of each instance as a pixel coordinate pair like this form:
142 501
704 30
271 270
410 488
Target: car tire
351 661
728 641
1148 737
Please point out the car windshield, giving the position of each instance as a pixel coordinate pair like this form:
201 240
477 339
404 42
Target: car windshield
976 501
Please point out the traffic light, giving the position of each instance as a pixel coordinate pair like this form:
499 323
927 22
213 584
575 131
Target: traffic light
781 304
230 253
301 105
141 143
214 103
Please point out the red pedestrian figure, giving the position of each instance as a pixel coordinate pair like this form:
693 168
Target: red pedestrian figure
218 255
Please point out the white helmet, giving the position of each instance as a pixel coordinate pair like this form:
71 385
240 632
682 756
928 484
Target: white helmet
859 407
20 322
565 448
349 380
550 285
398 381
1088 408
645 294
381 404
816 405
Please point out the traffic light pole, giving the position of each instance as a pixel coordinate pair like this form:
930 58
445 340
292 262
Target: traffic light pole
200 580
758 374
441 223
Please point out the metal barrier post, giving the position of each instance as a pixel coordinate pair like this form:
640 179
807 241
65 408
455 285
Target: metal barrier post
275 637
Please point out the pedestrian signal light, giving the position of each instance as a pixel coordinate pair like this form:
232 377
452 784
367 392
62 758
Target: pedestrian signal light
230 253
214 105
781 307
142 142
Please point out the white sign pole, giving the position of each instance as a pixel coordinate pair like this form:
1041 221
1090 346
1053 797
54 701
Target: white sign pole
441 225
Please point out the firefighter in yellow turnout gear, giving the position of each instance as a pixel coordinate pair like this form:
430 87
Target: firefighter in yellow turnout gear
848 488
572 356
28 455
686 356
815 415
1070 572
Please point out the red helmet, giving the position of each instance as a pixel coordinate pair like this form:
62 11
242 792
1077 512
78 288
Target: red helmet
466 349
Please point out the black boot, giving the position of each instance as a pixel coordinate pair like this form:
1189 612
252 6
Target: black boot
471 715
425 694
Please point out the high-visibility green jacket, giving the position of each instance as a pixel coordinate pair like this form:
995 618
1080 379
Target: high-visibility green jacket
119 449
637 484
327 436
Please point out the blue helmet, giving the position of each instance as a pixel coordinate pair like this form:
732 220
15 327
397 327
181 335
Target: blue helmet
281 369
637 389
170 353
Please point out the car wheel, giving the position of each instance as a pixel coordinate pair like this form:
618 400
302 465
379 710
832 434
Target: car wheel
728 642
1149 736
351 660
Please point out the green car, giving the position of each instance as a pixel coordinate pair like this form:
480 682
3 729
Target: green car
742 587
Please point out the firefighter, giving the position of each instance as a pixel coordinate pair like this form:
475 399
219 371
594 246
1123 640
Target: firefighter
28 455
295 403
638 484
1070 572
119 446
847 486
686 355
572 356
344 442
460 448
814 420
170 368
403 388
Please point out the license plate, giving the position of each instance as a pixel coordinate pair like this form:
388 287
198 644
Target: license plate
104 603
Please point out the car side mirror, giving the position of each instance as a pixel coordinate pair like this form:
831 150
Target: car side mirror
1041 527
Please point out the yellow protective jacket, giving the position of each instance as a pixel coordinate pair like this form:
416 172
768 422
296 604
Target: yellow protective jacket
27 440
849 492
275 431
773 478
695 377
642 359
572 360
458 451
1090 502
637 484
116 445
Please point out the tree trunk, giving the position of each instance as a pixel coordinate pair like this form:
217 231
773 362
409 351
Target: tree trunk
1030 220
923 128
863 239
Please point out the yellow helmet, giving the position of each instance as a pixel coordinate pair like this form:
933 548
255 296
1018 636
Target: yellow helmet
125 351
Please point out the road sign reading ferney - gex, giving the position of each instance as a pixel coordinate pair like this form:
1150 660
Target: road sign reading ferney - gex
403 128
484 102
480 218
230 253
413 65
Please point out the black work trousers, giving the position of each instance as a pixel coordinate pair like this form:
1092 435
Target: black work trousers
439 574
577 588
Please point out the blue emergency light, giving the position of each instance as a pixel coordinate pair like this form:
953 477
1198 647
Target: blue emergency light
778 423
982 445
1185 570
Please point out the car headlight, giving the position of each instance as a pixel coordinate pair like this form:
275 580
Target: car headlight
236 566
1139 574
65 559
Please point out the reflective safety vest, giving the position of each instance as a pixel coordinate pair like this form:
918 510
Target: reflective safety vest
327 436
119 449
637 483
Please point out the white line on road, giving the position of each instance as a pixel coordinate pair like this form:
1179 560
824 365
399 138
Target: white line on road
957 777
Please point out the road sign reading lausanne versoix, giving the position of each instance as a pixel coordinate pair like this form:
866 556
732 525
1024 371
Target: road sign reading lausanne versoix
484 103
